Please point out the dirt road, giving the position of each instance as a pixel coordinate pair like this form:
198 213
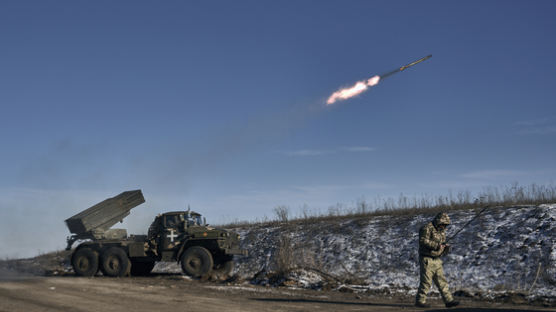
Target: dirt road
176 293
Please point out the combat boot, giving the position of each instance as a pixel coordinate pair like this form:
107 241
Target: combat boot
452 303
422 305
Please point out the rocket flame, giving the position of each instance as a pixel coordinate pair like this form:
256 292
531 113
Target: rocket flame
358 88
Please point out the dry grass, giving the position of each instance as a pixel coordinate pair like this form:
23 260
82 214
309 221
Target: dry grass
52 263
284 259
511 195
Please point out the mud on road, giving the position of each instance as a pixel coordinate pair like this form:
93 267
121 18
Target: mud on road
178 293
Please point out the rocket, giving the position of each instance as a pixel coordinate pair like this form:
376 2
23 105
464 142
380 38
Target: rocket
405 66
363 85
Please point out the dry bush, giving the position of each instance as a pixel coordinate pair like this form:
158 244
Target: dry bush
284 258
282 213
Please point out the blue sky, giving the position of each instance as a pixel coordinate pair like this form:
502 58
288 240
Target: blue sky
220 105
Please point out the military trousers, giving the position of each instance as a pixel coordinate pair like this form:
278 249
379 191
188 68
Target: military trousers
431 271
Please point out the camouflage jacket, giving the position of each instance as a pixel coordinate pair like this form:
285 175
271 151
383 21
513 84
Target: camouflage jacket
430 240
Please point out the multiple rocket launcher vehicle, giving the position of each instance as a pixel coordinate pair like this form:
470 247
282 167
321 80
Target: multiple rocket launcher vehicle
181 236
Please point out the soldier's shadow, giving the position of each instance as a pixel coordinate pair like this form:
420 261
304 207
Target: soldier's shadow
404 306
481 310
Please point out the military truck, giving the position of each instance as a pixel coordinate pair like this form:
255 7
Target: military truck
181 236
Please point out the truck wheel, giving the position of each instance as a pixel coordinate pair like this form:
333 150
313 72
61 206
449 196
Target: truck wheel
196 261
114 262
141 268
85 262
223 270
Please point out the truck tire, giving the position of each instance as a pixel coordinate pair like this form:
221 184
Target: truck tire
196 261
85 262
141 268
114 262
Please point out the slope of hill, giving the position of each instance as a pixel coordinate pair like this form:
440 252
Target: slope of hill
504 250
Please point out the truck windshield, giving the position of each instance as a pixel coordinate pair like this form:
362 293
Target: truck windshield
195 220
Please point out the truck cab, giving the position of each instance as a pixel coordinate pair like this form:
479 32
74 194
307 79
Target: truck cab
185 237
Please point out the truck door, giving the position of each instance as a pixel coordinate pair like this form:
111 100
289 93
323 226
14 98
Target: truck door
173 231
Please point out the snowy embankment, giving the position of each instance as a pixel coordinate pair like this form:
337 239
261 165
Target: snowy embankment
506 249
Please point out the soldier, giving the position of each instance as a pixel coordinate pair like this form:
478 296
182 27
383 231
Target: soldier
432 238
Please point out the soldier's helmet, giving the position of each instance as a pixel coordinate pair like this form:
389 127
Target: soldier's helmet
442 219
